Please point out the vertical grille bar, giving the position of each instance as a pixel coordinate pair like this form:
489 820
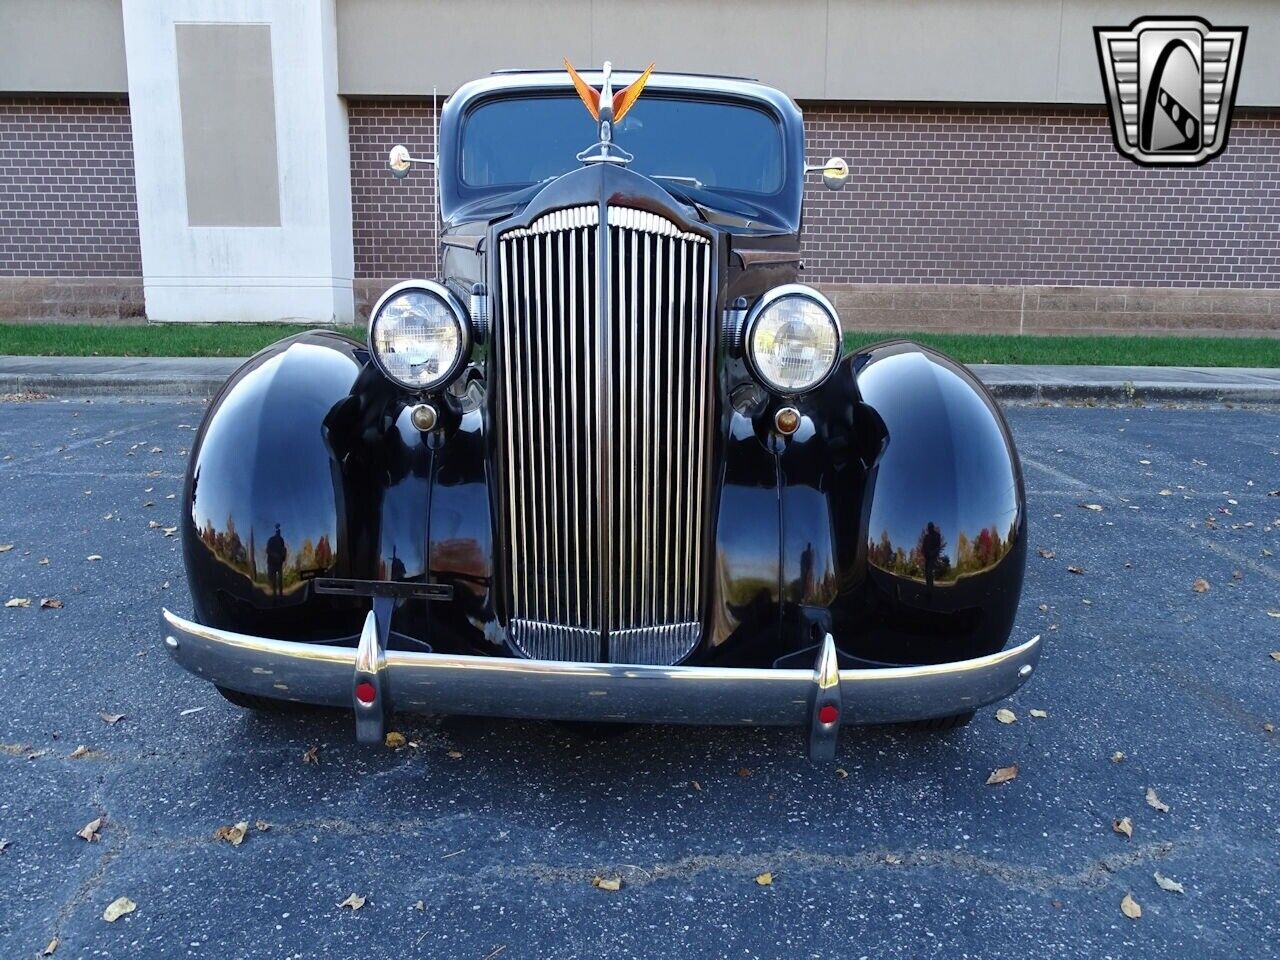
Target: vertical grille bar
633 558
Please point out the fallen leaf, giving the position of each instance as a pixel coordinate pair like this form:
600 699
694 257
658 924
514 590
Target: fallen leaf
51 949
1003 775
1154 801
1095 507
43 561
395 740
1201 585
261 826
233 834
696 785
111 719
1077 570
117 908
600 883
1268 728
18 602
78 752
744 771
764 879
842 773
1117 757
1005 715
1129 907
1145 463
311 755
1047 554
50 603
91 830
1124 826
1164 883
1166 492
454 754
1274 614
1040 714
94 556
1275 655
354 901
5 547
5 844
419 905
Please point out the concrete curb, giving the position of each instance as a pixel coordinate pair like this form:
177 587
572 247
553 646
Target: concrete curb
201 377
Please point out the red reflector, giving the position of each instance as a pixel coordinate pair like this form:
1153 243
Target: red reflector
828 714
365 692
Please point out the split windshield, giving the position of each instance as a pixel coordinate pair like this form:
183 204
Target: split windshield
703 144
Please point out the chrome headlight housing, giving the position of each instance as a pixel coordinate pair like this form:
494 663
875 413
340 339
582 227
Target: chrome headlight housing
419 335
792 339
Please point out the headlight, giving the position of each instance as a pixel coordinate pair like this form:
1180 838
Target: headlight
793 338
419 335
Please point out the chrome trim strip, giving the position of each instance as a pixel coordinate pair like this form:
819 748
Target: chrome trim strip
512 687
503 335
604 423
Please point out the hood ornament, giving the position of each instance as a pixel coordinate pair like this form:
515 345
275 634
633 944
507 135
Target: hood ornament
607 109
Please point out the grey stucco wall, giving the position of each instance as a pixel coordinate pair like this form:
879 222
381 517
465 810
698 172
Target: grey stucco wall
1012 51
986 51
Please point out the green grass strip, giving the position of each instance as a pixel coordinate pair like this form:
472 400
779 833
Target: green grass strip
243 339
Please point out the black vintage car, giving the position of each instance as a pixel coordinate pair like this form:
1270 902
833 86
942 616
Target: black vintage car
612 465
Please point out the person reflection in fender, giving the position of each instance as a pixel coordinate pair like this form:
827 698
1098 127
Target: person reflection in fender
931 548
276 554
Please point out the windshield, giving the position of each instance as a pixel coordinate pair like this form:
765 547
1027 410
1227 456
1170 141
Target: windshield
705 144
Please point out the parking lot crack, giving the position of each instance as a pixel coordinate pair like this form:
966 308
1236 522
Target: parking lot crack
1091 875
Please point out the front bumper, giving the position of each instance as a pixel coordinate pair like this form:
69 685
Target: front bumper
511 687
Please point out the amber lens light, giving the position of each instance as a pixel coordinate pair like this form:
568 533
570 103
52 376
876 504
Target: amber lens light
418 339
795 342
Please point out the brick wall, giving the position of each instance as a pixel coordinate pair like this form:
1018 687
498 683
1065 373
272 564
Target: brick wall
68 210
394 221
998 218
1022 196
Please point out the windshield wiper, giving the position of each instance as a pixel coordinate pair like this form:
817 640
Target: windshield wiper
687 181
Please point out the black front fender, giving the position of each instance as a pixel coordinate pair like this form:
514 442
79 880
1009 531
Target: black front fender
902 510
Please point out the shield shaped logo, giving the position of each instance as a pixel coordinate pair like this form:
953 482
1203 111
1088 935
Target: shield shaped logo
1170 83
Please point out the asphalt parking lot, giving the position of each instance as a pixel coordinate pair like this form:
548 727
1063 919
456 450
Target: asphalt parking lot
481 839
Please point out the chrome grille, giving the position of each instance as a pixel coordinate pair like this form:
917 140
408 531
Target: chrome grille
605 430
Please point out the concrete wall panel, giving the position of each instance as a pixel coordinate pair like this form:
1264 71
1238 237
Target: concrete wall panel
298 270
228 124
62 46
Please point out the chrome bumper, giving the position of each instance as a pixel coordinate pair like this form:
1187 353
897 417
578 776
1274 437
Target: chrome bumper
373 680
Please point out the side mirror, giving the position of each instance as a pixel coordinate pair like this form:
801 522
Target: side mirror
401 162
835 173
